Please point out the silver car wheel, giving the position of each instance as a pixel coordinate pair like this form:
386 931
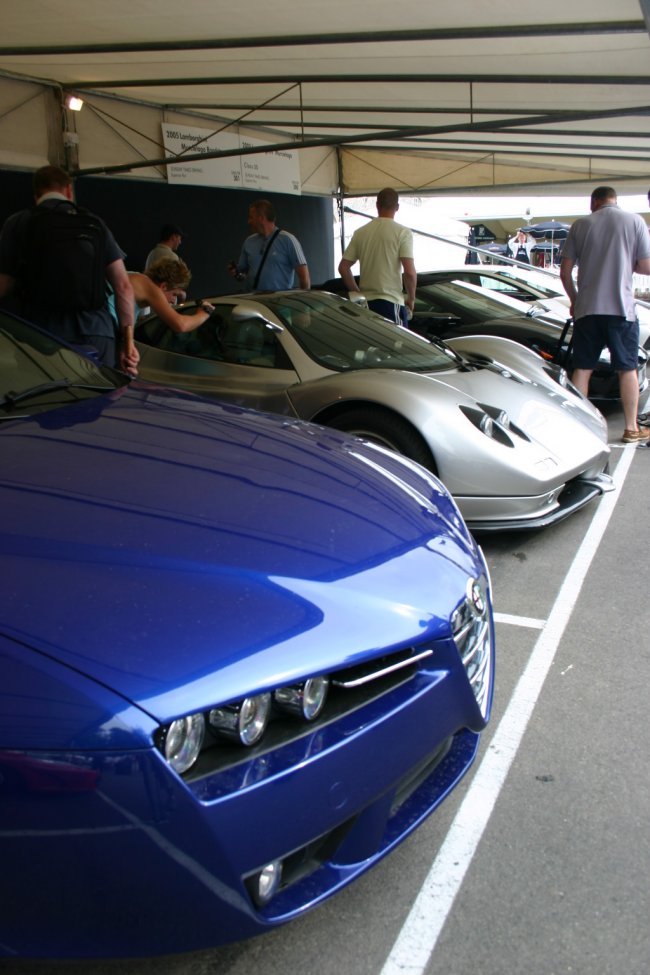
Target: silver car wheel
382 427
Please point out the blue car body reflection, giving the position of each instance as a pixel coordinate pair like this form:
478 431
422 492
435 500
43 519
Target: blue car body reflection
164 557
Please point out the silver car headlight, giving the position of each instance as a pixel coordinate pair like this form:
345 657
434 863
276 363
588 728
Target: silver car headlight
557 373
493 422
486 425
499 416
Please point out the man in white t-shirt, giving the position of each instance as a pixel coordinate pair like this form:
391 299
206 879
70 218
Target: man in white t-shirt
384 250
608 246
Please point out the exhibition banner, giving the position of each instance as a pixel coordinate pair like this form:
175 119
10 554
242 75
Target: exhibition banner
276 172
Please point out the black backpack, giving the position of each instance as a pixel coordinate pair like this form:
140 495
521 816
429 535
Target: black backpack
64 258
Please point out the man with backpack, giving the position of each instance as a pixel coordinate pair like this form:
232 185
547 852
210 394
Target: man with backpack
57 261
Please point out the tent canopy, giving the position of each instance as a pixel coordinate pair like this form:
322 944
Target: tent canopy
430 98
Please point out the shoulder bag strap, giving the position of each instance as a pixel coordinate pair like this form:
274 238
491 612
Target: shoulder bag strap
266 250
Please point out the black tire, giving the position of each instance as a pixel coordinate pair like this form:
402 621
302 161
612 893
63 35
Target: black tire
387 429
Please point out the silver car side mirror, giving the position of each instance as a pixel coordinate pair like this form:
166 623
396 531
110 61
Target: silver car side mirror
241 313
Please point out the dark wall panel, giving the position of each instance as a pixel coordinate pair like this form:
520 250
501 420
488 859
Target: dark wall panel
213 219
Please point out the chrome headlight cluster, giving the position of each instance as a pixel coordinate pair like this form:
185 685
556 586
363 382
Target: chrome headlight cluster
493 422
497 416
305 700
557 373
183 742
486 425
244 722
240 722
470 626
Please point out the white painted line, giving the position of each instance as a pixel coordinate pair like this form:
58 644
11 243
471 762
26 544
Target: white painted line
623 446
528 621
417 939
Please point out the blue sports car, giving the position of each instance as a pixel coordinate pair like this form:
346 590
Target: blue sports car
241 658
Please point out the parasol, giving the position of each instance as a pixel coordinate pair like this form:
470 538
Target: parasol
548 230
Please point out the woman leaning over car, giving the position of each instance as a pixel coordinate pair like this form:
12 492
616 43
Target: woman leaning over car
160 286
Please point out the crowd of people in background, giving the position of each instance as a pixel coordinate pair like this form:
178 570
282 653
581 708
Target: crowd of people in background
39 252
61 267
49 250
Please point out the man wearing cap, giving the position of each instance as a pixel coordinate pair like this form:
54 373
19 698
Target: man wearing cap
168 243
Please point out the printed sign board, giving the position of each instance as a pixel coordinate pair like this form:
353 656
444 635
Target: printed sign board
276 172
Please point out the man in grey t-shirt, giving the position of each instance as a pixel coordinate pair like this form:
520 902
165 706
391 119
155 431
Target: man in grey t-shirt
169 241
608 246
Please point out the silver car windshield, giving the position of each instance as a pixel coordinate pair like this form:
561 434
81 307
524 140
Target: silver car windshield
339 334
535 285
452 297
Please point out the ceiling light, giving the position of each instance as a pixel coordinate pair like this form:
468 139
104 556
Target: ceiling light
74 102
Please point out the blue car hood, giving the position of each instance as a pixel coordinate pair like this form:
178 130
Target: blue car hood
183 552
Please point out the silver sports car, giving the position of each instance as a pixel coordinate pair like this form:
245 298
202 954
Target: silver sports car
514 443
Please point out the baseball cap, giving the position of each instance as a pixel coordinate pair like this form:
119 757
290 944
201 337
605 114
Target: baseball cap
169 229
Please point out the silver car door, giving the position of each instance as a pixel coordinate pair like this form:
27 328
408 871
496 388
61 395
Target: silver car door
240 361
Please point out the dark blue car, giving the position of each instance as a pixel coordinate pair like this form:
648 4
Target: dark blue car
241 658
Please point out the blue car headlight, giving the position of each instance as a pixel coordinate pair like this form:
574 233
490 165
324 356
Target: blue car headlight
182 742
244 722
240 723
305 700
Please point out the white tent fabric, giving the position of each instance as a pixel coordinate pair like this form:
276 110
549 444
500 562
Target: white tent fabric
431 98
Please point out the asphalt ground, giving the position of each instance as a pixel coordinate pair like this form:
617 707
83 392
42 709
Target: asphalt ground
539 862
